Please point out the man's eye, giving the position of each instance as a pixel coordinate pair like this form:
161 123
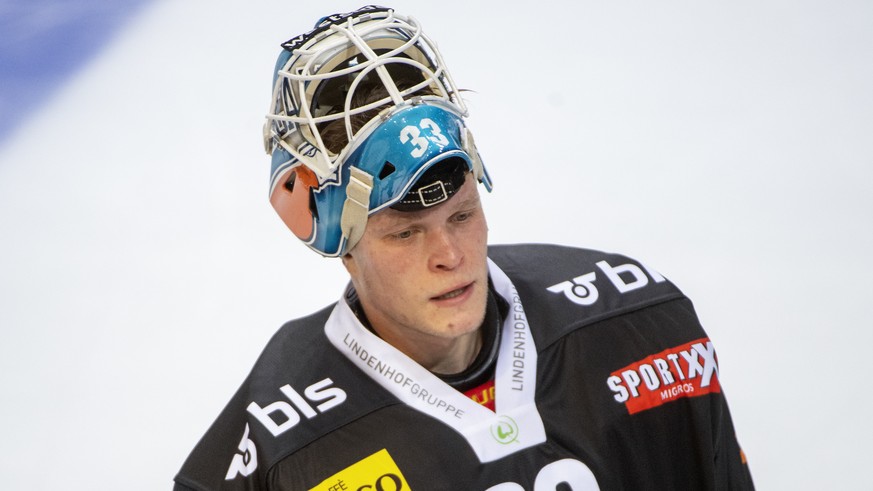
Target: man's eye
403 235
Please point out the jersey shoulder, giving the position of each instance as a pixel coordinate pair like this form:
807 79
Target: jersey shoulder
296 392
567 288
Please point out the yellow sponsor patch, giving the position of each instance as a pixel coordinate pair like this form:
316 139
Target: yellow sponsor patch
377 472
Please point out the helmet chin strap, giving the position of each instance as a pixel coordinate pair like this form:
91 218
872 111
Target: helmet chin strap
478 169
356 207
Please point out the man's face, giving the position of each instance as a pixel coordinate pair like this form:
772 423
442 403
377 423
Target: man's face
422 277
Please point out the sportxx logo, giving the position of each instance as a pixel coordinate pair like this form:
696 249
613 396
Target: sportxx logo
689 370
581 290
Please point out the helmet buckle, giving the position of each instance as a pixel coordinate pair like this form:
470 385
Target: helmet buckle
433 194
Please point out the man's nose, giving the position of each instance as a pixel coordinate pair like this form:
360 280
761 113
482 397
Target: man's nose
445 255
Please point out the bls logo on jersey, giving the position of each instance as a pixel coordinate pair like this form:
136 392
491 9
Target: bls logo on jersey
624 277
322 392
688 370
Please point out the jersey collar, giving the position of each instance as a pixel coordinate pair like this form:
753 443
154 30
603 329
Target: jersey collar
515 425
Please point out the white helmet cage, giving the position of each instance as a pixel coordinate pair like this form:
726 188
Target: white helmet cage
315 82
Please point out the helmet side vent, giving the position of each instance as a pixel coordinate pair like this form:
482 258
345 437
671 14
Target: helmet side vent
387 170
289 184
313 207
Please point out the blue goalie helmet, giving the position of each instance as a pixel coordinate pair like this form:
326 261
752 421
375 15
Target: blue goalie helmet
362 108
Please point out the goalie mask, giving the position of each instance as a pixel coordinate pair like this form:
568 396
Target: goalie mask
362 108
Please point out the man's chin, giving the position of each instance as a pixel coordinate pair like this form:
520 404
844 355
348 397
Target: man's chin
459 326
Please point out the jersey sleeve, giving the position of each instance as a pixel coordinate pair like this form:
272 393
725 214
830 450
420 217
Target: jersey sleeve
732 467
642 370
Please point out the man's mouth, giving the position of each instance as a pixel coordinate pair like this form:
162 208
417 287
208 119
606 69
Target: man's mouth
452 294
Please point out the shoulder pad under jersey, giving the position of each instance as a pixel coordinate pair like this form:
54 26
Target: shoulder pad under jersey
300 389
565 288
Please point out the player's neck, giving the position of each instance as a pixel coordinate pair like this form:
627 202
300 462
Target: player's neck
442 355
439 355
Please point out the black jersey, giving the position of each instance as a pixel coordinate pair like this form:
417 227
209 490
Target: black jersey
604 380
